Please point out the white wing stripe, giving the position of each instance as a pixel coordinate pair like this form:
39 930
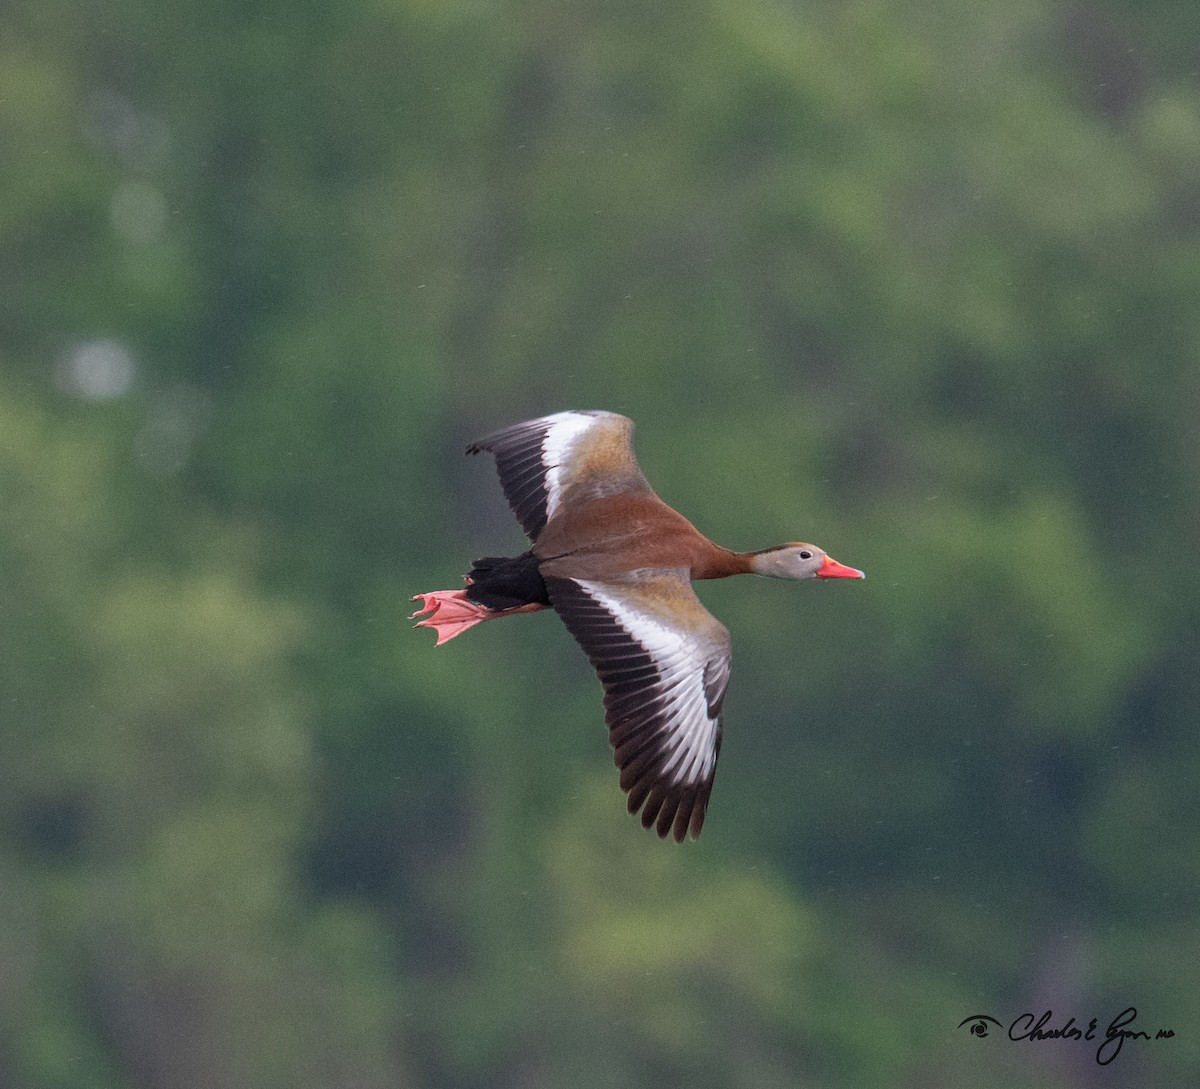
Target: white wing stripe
562 432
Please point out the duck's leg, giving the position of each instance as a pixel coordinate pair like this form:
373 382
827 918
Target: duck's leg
451 612
496 587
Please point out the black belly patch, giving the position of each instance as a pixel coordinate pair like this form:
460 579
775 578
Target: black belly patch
500 582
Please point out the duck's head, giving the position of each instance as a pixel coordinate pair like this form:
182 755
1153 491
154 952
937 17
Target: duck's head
801 561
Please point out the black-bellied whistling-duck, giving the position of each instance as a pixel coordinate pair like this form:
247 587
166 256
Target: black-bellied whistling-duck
616 563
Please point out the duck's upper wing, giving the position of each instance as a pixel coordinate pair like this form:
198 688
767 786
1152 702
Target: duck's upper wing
664 661
571 455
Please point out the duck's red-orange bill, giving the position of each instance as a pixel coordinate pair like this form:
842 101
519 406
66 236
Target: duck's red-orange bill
831 569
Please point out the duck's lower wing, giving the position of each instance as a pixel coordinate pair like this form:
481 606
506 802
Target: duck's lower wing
664 662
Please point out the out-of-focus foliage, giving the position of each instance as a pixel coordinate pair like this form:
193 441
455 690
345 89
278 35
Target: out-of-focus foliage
917 282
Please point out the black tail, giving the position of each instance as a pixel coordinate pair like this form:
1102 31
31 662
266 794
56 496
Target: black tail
500 583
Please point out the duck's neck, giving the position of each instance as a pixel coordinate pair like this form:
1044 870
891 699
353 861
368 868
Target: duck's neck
715 562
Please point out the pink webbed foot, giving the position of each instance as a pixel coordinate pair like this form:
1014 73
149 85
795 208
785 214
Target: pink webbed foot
449 613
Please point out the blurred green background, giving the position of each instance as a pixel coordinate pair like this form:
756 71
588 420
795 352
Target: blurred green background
919 282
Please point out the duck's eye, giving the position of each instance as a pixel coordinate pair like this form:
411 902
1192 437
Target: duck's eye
805 554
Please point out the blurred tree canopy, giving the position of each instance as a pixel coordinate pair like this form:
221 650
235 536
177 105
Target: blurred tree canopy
917 282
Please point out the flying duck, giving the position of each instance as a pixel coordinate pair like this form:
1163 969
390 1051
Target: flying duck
616 564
